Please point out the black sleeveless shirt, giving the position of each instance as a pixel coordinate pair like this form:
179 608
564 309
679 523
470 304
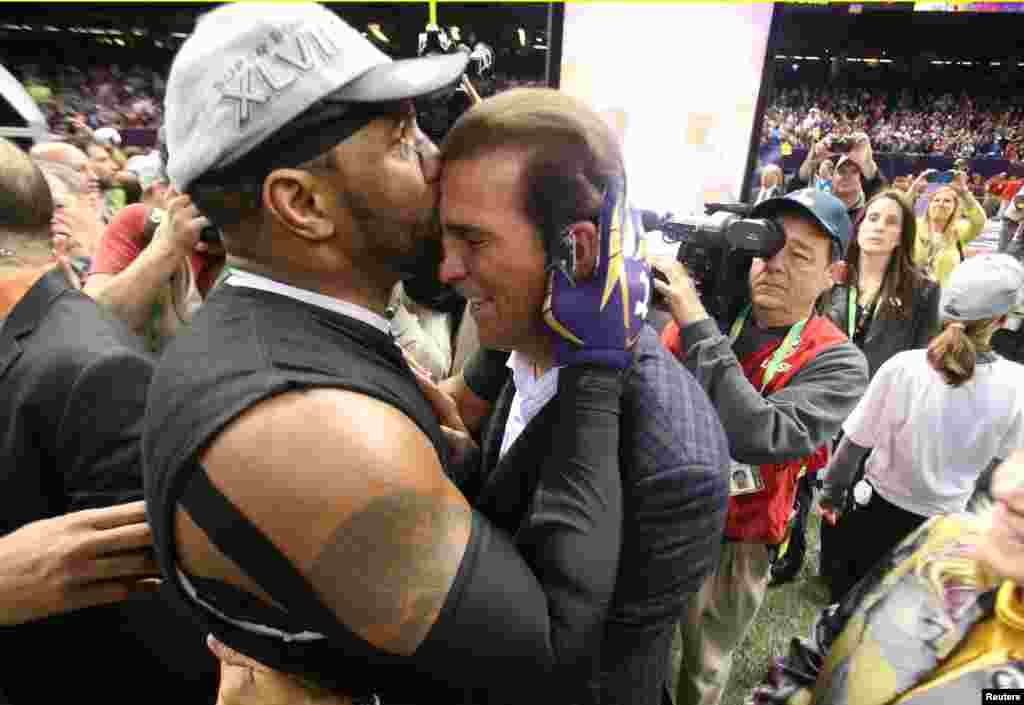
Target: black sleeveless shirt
246 346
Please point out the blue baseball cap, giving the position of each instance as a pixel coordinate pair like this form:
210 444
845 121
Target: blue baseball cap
823 208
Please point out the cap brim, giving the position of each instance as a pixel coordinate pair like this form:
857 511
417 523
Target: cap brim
774 206
405 78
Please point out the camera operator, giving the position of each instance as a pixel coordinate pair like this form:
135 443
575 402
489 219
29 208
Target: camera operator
782 382
856 177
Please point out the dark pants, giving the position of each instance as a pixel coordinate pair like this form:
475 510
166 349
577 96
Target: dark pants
866 535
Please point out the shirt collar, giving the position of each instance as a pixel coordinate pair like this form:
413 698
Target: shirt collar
258 281
522 373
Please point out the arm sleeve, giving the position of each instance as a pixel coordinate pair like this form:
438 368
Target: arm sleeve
553 613
101 428
842 470
1006 230
121 242
486 373
791 423
928 313
975 220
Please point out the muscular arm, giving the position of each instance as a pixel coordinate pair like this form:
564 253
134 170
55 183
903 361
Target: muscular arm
791 423
392 548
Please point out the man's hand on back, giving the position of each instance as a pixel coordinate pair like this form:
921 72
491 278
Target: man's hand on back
84 559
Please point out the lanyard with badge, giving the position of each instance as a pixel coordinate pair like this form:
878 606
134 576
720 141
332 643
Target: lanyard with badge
853 323
743 478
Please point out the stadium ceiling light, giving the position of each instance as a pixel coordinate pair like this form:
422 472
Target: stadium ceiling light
995 63
179 35
378 34
813 58
540 46
886 61
798 57
780 56
51 28
522 36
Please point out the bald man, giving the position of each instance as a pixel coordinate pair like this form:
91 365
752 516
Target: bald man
72 156
73 385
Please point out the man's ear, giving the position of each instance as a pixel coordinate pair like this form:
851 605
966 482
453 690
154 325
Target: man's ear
295 200
587 248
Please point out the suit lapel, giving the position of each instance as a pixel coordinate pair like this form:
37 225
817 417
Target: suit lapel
26 314
510 481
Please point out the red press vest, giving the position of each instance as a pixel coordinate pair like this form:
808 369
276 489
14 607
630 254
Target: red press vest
763 517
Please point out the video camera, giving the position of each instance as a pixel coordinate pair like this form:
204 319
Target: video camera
717 249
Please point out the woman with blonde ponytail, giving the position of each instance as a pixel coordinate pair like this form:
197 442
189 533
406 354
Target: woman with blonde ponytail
934 418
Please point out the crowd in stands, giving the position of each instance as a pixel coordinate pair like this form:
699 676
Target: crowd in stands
105 95
909 122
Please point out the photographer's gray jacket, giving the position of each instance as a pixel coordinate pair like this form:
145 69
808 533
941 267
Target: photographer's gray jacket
791 423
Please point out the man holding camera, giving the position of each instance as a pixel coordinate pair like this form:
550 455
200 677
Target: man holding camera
856 178
782 382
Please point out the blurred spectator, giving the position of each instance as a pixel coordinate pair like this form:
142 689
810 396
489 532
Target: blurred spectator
151 272
953 218
74 212
826 173
105 167
72 394
905 121
771 183
63 153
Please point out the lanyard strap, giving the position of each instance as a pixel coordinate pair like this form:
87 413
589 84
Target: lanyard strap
851 311
789 344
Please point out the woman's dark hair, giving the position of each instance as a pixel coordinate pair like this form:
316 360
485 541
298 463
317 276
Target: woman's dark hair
902 278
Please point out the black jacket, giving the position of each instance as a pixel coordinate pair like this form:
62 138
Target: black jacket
886 337
673 460
73 386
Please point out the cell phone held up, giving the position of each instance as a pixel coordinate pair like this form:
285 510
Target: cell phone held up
840 145
940 177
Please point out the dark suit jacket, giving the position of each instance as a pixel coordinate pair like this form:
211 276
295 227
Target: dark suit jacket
73 385
674 460
886 337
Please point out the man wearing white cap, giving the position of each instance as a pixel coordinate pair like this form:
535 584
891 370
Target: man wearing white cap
296 475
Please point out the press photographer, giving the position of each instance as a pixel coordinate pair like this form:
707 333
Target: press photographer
856 177
782 380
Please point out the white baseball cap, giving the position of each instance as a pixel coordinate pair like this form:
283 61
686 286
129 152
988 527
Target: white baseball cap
982 287
108 136
250 69
147 167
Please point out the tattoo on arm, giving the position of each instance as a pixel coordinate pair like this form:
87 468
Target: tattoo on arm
387 570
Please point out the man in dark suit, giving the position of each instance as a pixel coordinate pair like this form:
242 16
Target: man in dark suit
73 385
